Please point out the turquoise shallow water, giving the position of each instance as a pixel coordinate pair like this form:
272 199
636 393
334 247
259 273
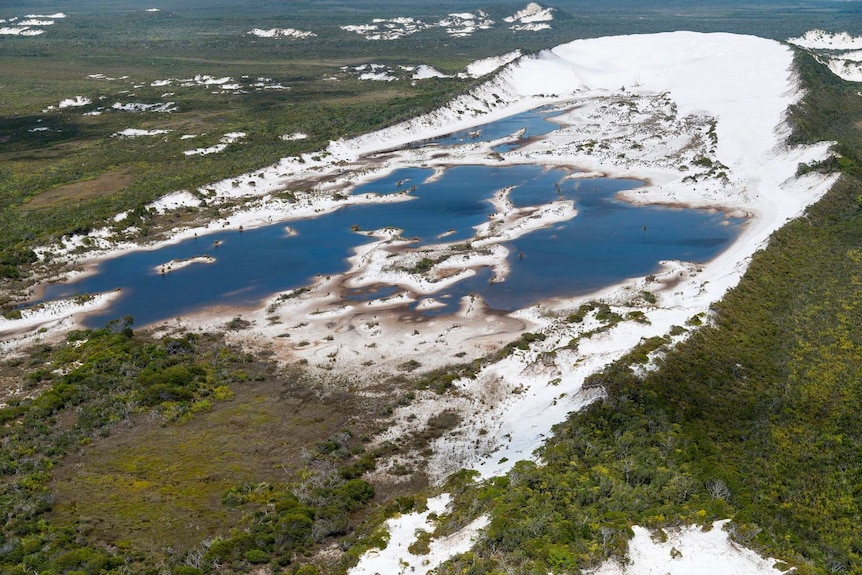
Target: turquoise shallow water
607 242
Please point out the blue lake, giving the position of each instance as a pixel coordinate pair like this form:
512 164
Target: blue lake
533 122
607 242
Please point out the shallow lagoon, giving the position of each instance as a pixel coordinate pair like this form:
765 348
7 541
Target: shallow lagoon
533 123
607 242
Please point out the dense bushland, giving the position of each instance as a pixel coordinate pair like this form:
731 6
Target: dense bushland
755 417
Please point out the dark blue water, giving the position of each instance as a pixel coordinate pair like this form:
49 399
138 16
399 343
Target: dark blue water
534 122
607 242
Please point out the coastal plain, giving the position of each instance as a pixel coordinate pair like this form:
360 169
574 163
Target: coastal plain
699 120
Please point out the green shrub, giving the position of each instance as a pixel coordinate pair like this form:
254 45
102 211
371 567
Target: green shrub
256 556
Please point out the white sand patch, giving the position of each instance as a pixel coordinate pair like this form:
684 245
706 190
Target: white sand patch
388 29
282 33
531 14
162 108
75 102
174 201
224 84
294 136
176 265
206 80
531 27
423 72
403 531
224 142
429 303
689 551
823 40
377 76
384 73
136 133
30 25
485 66
263 83
19 31
465 24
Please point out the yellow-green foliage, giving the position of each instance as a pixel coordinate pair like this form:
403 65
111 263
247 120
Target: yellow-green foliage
146 484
